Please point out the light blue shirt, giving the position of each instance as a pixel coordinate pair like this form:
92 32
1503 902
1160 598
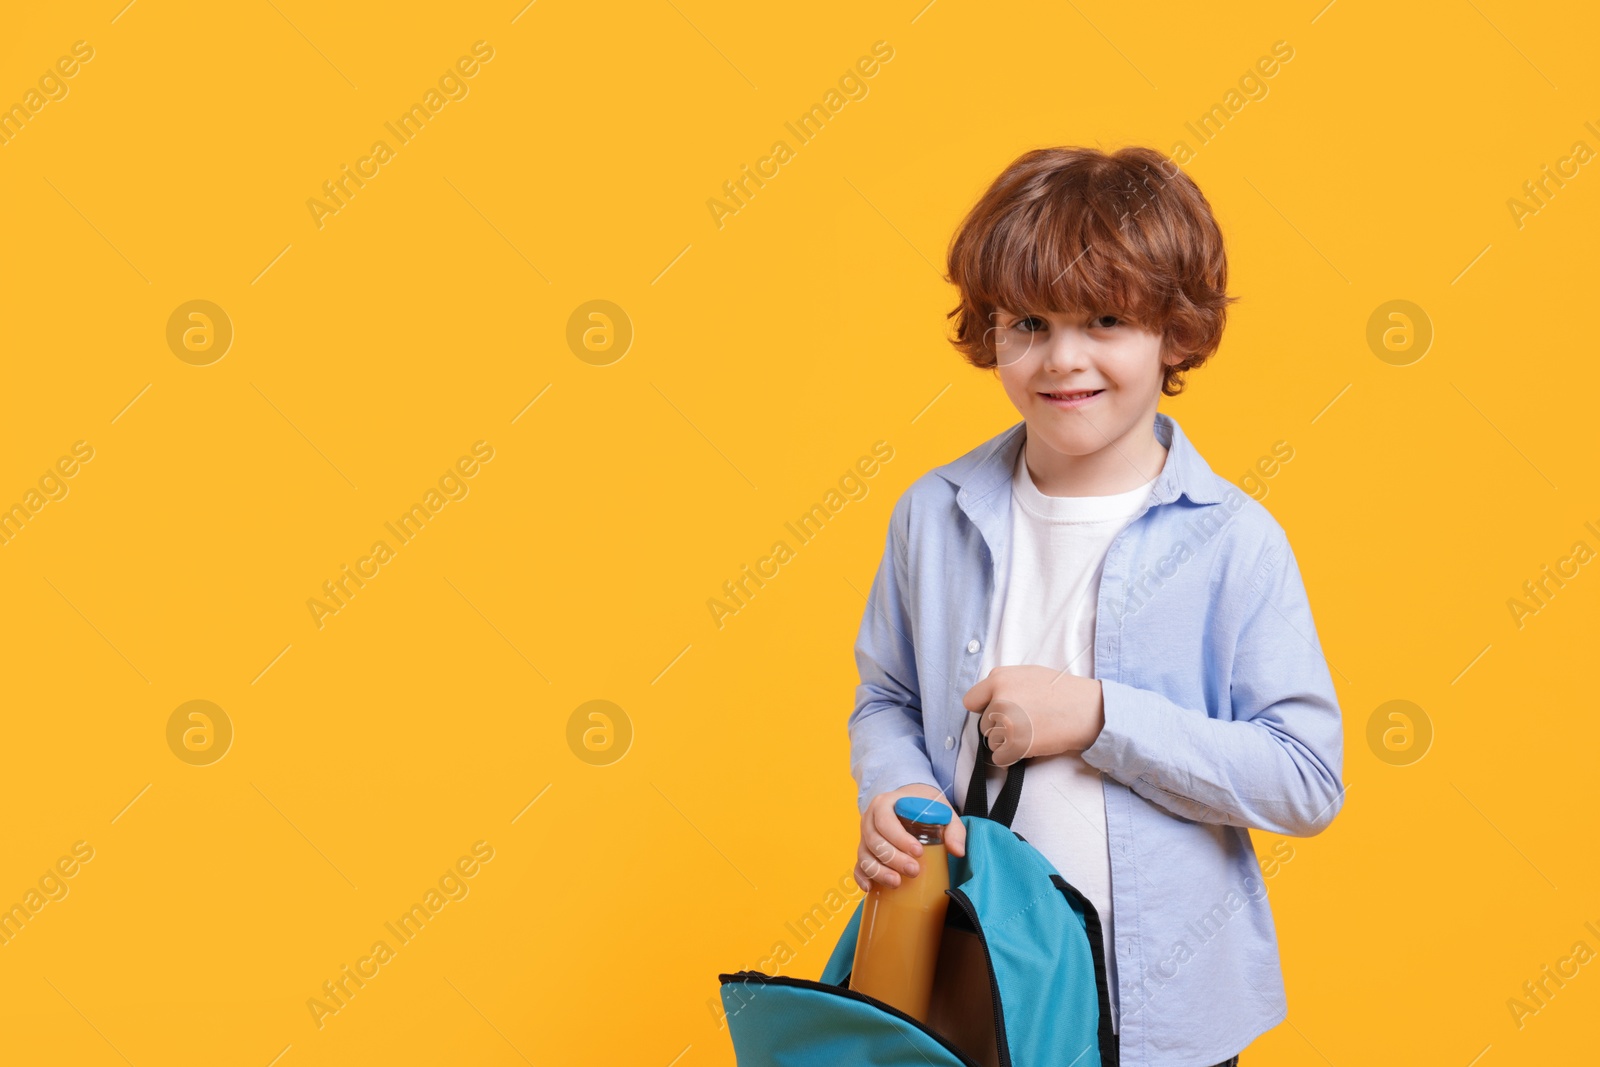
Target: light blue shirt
1220 715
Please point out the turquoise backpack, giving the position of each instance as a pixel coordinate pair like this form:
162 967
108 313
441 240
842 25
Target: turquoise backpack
1040 936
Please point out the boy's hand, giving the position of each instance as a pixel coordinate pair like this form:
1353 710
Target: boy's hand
1036 711
887 851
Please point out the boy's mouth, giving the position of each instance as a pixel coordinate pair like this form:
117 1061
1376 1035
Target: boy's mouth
1071 398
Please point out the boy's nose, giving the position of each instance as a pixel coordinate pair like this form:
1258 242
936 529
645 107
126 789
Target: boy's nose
1065 353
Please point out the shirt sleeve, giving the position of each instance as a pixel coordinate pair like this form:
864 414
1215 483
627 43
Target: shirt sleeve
887 744
1276 765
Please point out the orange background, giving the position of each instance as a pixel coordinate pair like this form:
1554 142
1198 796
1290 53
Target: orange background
435 709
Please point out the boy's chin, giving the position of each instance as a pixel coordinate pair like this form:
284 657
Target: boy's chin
1070 434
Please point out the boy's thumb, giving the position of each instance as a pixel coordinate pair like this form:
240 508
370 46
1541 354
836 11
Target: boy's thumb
977 698
955 838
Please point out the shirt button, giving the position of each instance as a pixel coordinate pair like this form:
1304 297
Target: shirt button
973 646
949 742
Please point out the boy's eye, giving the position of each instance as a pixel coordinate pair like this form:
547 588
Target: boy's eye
1036 324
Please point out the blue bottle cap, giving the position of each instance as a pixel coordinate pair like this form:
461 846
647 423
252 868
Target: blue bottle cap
921 809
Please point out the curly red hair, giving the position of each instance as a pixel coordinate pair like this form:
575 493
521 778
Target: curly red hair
1077 229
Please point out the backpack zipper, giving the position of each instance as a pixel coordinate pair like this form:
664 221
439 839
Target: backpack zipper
1110 1051
761 978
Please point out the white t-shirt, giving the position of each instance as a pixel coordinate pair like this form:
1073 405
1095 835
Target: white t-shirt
1046 618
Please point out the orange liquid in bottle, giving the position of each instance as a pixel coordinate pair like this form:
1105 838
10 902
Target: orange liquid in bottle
897 947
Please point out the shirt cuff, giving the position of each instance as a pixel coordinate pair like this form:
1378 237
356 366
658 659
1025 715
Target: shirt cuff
1133 729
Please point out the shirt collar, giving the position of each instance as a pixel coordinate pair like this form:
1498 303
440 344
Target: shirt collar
990 465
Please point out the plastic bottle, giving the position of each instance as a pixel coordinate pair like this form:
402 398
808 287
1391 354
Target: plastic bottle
897 946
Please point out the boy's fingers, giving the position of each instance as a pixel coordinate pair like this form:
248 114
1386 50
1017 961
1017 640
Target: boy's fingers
978 696
888 852
1009 731
1013 746
892 847
873 870
889 826
886 840
895 832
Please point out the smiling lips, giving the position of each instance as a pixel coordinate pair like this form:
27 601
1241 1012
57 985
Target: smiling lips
1071 398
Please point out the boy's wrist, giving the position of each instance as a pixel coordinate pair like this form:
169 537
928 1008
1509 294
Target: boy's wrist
1095 714
1087 716
1080 723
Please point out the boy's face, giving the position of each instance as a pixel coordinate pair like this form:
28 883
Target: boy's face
1083 382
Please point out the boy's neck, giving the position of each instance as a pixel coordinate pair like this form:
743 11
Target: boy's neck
1125 463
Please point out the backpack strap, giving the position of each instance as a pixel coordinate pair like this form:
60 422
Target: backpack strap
1005 805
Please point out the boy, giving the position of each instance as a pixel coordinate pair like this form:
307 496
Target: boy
1084 591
